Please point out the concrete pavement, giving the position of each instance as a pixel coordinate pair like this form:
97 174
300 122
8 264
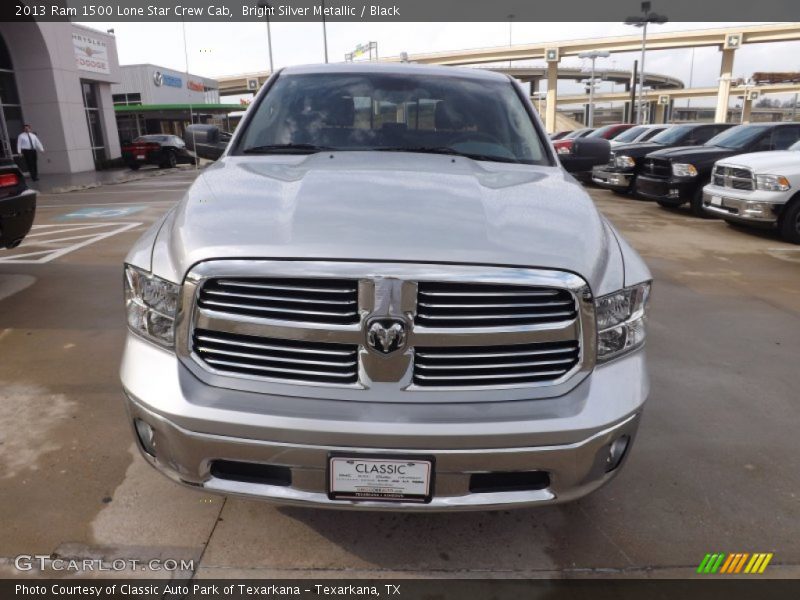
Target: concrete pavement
716 465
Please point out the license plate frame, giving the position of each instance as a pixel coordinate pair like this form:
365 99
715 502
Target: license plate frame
390 492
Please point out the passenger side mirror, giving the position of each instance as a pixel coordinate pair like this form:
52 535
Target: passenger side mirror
586 153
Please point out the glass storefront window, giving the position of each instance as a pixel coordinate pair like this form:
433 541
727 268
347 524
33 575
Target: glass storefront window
94 121
9 104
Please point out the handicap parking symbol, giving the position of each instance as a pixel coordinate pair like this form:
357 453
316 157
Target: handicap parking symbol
101 212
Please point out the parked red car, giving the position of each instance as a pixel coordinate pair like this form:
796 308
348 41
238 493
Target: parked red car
607 132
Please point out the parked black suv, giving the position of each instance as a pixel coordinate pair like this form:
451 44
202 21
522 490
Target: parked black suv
17 205
626 160
675 176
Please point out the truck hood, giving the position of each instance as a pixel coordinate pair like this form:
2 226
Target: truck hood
768 162
635 149
379 206
693 153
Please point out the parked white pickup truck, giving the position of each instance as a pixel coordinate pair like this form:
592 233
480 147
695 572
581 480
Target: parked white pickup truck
760 189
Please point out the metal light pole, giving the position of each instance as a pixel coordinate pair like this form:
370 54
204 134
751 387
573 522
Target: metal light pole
642 21
325 33
748 85
266 6
593 56
510 21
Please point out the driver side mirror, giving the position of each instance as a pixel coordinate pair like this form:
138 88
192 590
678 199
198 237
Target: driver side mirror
585 154
206 141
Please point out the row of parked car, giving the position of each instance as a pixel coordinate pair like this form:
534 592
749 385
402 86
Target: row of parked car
745 174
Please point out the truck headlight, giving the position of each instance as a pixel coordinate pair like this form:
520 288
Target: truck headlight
772 183
624 162
621 321
151 304
684 170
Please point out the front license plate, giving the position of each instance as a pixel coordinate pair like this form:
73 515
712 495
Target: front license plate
140 157
380 478
716 201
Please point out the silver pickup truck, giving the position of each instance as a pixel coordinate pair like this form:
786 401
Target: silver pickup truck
388 294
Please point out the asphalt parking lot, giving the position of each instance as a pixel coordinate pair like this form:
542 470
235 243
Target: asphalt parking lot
716 466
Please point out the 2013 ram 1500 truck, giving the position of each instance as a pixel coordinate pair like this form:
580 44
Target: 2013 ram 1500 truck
388 293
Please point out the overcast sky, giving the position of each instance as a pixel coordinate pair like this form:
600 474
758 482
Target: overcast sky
216 49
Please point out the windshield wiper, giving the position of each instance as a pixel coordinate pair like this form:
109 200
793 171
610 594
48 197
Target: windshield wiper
286 149
447 150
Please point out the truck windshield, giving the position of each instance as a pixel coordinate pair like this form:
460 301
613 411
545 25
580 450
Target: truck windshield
394 112
631 134
672 135
737 137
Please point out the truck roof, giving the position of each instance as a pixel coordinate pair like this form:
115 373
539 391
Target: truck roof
398 68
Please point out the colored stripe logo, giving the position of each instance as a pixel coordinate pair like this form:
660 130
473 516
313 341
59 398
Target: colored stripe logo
735 563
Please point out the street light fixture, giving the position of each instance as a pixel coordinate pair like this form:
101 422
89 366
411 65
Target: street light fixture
642 21
267 8
593 56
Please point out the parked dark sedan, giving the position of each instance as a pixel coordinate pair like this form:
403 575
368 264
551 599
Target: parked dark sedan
675 176
17 205
166 151
626 160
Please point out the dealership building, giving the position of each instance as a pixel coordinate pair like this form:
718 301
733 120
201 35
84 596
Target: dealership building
58 77
65 80
152 99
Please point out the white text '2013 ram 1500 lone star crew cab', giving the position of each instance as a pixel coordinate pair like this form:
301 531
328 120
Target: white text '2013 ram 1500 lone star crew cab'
388 293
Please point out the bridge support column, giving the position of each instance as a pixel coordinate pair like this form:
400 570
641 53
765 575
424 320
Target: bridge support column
723 95
660 113
747 107
552 97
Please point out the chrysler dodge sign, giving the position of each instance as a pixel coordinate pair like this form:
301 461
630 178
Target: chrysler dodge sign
91 54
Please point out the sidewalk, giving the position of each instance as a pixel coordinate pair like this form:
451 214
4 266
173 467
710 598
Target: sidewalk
60 183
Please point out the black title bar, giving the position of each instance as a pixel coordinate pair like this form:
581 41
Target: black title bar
394 10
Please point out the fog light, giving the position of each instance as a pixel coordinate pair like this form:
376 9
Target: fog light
616 451
674 193
147 436
759 210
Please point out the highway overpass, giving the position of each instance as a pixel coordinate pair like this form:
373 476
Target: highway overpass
727 39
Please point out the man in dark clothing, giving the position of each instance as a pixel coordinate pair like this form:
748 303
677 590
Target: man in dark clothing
28 145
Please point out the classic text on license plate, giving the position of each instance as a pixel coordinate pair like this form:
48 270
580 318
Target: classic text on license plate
386 479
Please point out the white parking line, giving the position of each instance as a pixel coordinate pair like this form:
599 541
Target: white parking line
121 203
40 250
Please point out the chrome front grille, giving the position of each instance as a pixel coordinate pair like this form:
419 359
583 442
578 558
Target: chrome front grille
466 305
331 301
458 366
279 359
256 326
657 167
736 178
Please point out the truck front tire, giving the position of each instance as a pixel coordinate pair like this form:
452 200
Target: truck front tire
696 204
790 222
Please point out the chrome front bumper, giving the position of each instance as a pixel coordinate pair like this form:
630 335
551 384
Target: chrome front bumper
611 179
568 436
722 202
